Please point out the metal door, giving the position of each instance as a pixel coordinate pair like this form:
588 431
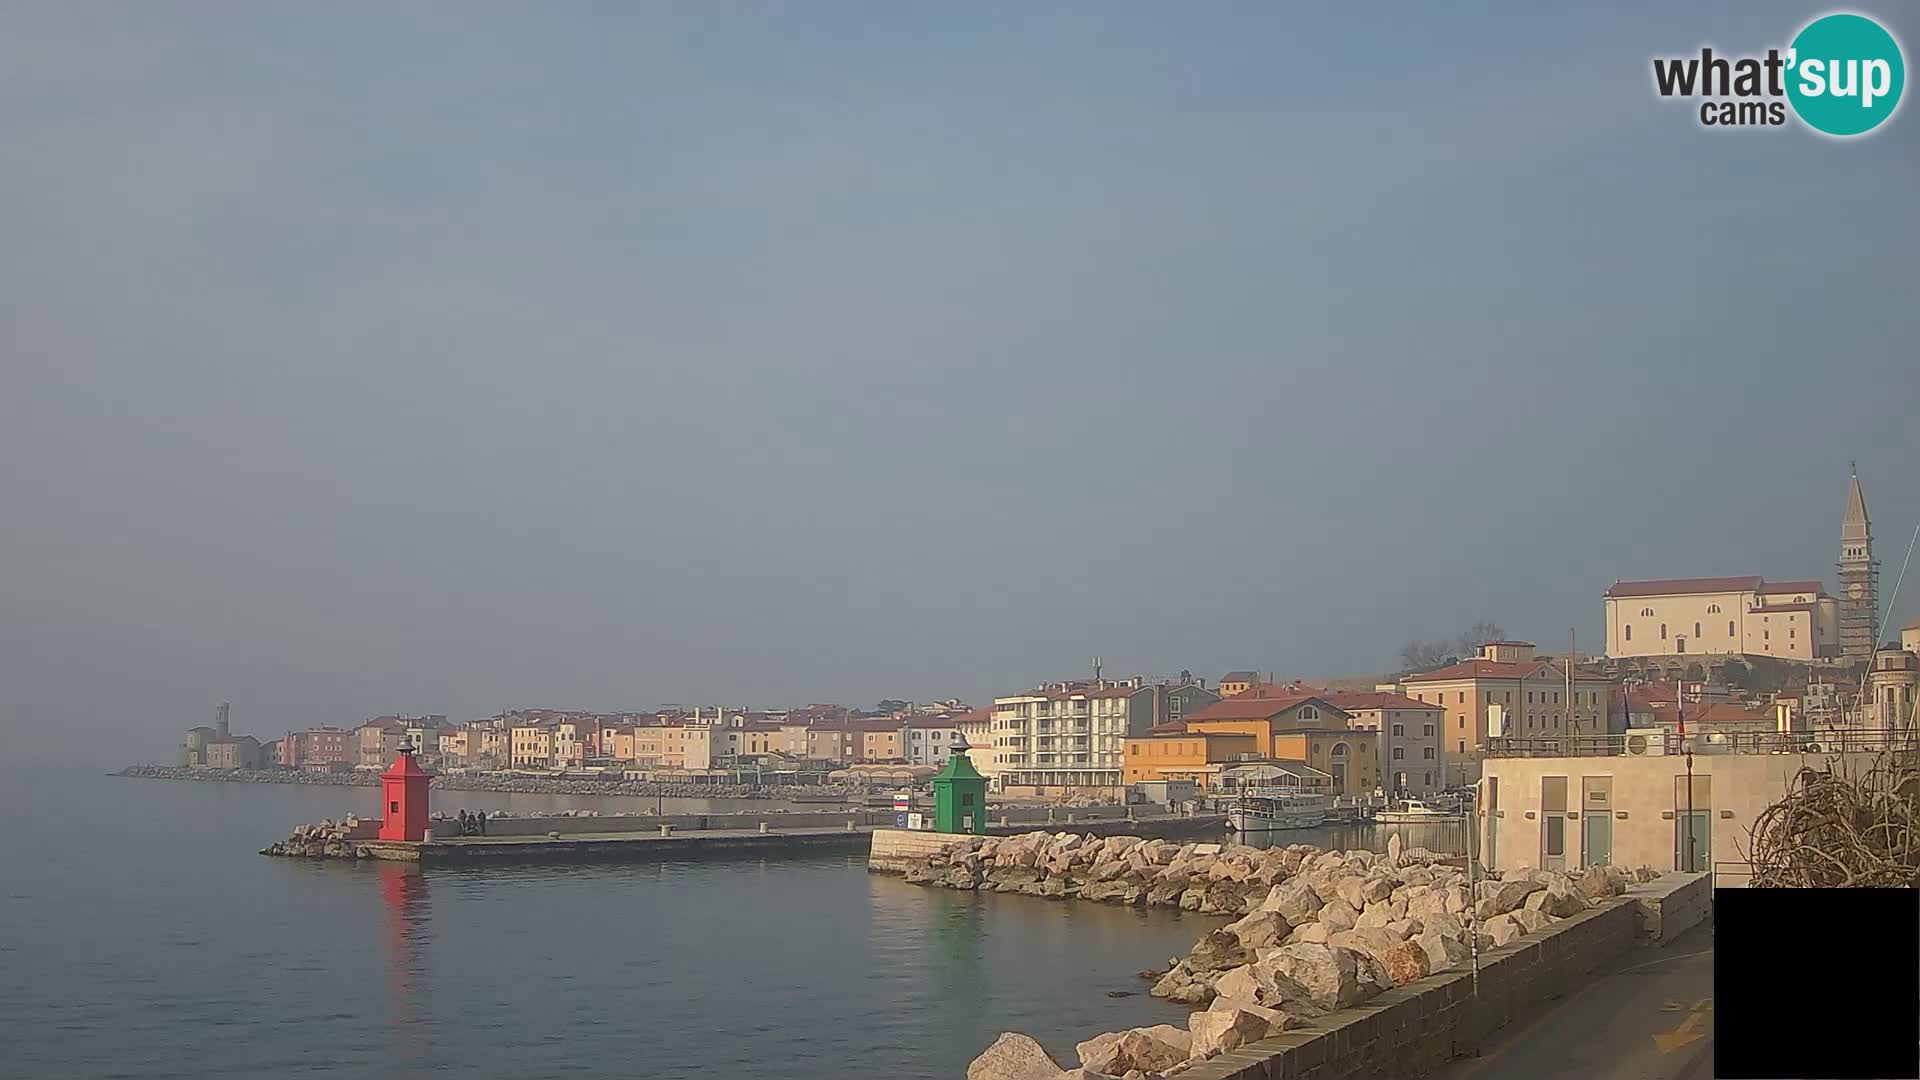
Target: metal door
1596 820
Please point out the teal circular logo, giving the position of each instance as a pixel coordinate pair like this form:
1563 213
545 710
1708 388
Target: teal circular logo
1845 74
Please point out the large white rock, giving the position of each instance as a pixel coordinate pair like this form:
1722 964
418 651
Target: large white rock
1443 952
1330 976
1260 929
1561 903
1340 915
1216 1030
1013 1056
1315 932
1505 896
1353 890
1530 920
1502 929
1294 899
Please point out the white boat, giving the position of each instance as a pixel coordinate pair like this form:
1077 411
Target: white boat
1415 812
1270 811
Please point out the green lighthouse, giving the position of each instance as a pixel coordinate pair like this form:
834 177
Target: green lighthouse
960 795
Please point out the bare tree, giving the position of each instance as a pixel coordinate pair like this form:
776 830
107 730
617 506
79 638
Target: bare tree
1420 655
1470 640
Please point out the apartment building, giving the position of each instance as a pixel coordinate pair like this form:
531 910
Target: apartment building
1068 737
1505 691
1291 724
1409 741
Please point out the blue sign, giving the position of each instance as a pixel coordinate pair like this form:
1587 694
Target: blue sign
900 820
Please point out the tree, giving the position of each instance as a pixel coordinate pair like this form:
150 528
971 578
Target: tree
1478 634
1417 655
890 706
1423 655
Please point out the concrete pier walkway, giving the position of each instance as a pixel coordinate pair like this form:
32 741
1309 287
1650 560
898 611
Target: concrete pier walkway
1647 1015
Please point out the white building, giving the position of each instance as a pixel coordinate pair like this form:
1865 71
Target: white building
1066 737
1789 620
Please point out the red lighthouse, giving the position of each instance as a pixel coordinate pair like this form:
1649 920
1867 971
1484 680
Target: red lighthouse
403 797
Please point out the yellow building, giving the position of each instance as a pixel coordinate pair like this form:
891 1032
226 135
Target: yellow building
1505 691
1185 755
532 744
1789 620
1294 725
881 743
1238 682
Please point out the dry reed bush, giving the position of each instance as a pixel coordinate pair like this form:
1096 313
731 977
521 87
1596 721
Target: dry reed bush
1842 827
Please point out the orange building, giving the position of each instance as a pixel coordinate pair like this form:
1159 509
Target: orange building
1289 724
1172 753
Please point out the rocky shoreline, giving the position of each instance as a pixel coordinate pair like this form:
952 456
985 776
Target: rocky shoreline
1319 931
509 785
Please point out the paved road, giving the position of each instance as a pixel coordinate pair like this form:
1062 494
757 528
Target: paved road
1646 1016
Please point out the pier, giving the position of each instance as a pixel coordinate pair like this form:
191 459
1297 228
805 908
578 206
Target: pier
632 839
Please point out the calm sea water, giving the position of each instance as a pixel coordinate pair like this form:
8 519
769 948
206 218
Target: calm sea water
141 936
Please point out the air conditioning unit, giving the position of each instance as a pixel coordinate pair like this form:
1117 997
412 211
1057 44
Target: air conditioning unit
1647 744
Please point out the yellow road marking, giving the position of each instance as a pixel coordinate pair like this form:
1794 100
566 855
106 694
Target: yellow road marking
1684 1035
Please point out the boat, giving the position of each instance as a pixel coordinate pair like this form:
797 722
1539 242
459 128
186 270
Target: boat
1270 811
1415 812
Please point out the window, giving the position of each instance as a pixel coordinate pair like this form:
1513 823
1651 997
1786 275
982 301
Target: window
1766 635
1463 723
1429 755
1308 712
1463 746
1629 631
1429 779
1529 697
1713 609
1646 611
1399 753
1791 633
1556 697
1460 698
1696 629
1429 731
1663 631
1399 729
1340 749
1729 627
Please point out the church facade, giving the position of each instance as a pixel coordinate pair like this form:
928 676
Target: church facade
1750 616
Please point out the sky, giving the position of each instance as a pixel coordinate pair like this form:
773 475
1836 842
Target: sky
448 357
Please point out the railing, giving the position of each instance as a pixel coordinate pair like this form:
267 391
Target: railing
1658 742
1731 875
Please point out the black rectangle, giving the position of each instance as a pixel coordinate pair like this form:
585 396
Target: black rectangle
1816 983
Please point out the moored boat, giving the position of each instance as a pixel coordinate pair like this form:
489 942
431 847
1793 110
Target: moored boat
1415 812
1270 811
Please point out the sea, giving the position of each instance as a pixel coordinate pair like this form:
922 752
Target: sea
142 936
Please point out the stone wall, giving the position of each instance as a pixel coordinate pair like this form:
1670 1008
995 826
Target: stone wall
1670 906
1415 1029
895 849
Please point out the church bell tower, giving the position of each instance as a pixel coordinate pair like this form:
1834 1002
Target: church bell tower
1859 577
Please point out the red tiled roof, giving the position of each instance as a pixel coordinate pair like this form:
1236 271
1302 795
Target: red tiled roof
1251 706
1813 587
1171 727
1499 669
1680 586
1350 700
934 720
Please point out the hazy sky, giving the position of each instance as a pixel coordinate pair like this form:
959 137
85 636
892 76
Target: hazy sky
446 357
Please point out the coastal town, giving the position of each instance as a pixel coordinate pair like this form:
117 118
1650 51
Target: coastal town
1728 672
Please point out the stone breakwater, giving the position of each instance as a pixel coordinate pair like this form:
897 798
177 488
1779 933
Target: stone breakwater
326 840
510 785
1319 931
